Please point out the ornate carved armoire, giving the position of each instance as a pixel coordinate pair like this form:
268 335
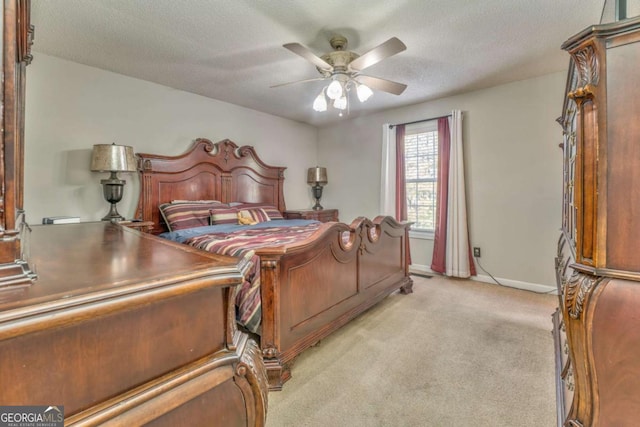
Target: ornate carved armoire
597 326
17 37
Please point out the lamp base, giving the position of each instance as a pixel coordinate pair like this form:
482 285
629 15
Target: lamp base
112 190
113 215
317 194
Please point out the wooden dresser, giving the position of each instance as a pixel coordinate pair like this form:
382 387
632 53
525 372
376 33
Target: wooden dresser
124 328
597 326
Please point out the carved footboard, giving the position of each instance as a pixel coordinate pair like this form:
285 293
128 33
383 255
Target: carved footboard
312 288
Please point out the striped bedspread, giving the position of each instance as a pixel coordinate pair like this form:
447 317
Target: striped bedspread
243 243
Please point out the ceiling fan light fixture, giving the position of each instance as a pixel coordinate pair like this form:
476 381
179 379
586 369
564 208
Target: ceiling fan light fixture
364 92
343 68
334 90
320 103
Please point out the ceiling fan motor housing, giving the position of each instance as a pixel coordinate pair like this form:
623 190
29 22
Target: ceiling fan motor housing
339 60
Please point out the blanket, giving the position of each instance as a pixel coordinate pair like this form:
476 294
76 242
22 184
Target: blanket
243 244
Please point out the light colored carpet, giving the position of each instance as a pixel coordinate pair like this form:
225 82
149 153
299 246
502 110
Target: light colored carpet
453 353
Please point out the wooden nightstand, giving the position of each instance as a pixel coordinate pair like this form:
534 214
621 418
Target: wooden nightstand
144 226
324 215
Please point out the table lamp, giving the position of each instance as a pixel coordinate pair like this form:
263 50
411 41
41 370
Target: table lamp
113 158
318 178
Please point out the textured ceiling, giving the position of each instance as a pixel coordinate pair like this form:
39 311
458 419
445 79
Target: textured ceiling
231 50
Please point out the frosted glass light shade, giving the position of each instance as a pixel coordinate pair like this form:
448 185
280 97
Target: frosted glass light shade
364 92
340 103
320 103
334 90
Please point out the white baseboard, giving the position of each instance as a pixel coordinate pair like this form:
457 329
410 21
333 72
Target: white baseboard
517 284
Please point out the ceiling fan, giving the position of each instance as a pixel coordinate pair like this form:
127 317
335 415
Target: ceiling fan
343 68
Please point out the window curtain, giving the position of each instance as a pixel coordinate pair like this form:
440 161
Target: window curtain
393 193
393 199
451 248
388 172
401 190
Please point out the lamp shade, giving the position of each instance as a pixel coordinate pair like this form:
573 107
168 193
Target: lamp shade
112 158
317 175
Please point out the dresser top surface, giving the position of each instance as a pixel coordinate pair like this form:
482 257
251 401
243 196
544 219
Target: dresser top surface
101 260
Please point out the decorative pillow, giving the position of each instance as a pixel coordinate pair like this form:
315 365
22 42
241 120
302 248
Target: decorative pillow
179 216
271 211
245 220
224 216
255 214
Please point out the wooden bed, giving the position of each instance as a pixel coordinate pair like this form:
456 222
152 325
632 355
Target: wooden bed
308 289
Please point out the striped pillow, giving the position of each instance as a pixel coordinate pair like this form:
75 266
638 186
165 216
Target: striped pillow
224 216
179 216
271 211
213 202
256 214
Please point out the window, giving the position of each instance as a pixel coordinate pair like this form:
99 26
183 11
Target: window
421 174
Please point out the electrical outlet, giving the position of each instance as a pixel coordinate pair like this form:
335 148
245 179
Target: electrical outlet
476 252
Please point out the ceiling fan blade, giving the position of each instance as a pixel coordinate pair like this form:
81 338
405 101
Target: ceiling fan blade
298 81
377 54
382 84
298 49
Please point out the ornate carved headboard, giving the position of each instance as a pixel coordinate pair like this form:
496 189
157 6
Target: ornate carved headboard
221 171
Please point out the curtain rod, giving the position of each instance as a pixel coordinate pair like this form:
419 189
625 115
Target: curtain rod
420 121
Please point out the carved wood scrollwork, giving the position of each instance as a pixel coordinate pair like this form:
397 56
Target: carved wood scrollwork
250 364
270 352
571 385
270 264
559 251
582 93
363 238
244 151
588 70
26 32
560 260
587 62
565 121
576 290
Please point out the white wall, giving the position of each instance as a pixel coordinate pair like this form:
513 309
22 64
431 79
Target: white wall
70 107
513 172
